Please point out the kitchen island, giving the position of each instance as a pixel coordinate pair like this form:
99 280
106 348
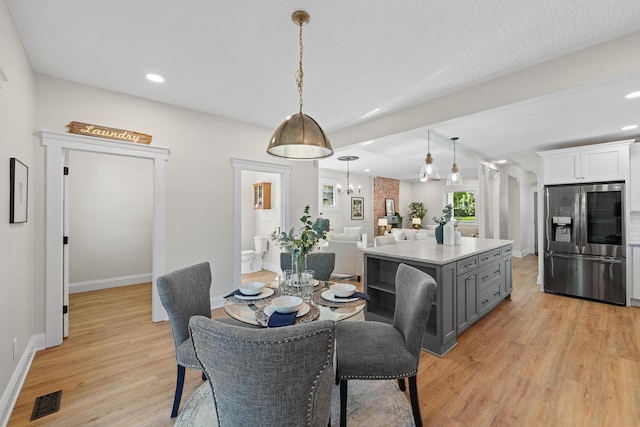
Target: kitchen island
473 278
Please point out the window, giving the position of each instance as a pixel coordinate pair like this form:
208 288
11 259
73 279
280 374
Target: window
464 205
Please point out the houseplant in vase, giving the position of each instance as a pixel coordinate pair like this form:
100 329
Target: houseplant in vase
299 246
447 214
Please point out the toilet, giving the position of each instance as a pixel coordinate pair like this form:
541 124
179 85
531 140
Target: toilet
251 260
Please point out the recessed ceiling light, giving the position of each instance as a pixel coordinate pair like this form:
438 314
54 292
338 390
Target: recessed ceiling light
367 170
628 127
633 95
371 141
500 162
155 78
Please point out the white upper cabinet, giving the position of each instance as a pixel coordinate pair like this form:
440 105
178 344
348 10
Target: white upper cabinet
634 179
594 163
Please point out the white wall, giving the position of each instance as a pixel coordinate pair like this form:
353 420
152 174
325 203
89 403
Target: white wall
16 240
199 176
110 217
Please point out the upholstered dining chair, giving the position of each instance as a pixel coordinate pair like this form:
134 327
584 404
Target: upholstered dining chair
376 351
322 263
185 293
269 377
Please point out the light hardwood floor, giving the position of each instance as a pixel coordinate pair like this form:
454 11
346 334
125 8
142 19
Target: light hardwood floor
537 360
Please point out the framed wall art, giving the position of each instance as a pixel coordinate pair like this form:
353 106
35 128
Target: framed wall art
18 193
357 208
390 207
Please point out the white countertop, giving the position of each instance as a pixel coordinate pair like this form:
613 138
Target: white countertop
429 251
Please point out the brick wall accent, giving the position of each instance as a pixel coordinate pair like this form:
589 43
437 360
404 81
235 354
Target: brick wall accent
383 188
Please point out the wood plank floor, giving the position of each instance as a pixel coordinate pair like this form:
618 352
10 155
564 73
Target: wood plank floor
537 360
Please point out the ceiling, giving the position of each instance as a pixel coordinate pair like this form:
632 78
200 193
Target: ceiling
508 77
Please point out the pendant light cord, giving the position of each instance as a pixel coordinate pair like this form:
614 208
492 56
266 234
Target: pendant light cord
300 73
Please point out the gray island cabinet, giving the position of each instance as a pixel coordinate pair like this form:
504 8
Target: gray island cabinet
473 278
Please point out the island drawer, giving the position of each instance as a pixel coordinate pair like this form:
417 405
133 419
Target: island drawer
488 296
506 251
466 264
490 256
490 273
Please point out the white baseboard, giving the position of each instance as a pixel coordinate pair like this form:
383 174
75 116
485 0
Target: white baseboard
11 393
113 282
271 267
635 302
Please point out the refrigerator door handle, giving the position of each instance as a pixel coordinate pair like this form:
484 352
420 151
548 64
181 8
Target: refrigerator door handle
608 260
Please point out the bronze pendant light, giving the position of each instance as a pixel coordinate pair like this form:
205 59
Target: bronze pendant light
300 137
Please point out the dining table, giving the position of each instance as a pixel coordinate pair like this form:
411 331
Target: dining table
323 305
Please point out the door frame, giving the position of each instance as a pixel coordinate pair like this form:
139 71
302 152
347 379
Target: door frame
56 146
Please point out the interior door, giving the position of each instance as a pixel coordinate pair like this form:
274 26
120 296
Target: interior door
65 247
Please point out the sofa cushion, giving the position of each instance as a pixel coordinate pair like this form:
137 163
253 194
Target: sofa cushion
337 237
399 235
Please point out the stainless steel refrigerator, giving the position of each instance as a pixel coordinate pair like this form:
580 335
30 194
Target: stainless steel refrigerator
584 241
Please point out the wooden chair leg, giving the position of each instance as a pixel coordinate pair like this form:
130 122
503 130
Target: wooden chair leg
415 404
178 395
401 384
343 403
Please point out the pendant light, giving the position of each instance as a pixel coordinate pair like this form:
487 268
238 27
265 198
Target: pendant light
454 177
349 190
429 170
300 137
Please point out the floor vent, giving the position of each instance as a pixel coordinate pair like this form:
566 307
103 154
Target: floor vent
47 404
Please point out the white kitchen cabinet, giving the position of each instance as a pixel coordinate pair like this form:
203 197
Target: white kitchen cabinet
634 177
592 163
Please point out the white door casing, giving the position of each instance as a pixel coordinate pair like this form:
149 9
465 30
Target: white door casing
56 145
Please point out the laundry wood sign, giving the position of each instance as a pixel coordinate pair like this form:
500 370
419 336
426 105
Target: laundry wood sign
109 133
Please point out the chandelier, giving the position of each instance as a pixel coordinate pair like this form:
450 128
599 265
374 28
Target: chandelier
349 190
300 137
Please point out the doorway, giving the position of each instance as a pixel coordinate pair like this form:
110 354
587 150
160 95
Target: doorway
243 166
57 146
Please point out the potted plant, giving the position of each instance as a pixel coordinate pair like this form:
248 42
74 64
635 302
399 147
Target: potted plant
300 245
447 214
417 210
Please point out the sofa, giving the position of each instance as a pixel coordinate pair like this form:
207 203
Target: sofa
347 247
404 234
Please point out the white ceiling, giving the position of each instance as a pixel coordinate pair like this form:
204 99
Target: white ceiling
509 77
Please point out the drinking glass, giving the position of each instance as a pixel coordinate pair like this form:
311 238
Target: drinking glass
290 285
306 285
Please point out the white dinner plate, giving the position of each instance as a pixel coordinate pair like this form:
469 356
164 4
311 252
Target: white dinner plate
266 292
304 309
329 296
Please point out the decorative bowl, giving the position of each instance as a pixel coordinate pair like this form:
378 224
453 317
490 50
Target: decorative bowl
342 289
251 288
286 304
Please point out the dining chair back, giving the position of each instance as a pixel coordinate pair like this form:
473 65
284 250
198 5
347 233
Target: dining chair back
267 377
185 293
322 264
374 350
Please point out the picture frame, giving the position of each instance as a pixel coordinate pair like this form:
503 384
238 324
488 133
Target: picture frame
19 191
390 206
327 196
357 208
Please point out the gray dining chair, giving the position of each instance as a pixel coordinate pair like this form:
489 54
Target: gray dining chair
322 264
185 293
375 351
268 377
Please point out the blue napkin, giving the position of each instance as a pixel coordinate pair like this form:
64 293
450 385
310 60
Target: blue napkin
360 295
278 319
236 292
